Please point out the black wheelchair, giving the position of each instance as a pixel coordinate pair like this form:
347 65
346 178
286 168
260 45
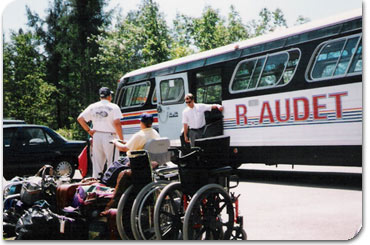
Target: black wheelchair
136 206
200 205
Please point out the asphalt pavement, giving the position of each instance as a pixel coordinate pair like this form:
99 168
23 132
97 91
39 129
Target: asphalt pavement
306 203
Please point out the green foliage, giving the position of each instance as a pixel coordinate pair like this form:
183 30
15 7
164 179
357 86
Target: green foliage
208 31
268 22
64 34
73 133
140 39
26 94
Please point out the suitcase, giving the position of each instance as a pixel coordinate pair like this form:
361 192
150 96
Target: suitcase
65 193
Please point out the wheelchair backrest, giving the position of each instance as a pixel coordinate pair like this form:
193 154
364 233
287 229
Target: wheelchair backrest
215 151
141 168
158 150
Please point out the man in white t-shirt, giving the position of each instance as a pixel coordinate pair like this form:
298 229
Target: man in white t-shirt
194 120
106 120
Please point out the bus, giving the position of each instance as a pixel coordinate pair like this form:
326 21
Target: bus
293 96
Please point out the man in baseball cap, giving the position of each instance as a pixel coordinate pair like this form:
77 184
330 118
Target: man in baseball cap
104 92
106 121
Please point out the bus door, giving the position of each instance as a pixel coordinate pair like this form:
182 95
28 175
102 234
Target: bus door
171 90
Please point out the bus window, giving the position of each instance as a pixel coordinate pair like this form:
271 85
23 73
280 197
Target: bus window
243 75
356 65
135 95
172 91
294 56
256 73
273 70
208 86
334 58
154 97
270 70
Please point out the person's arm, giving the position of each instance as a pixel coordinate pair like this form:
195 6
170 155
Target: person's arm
118 127
186 133
186 126
120 145
82 122
219 107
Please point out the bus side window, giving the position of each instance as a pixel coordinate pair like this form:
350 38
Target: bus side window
134 95
291 66
208 86
337 58
273 70
356 65
243 75
276 69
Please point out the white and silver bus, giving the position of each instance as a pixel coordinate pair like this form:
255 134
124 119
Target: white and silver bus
290 97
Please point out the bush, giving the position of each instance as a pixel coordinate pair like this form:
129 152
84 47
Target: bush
74 133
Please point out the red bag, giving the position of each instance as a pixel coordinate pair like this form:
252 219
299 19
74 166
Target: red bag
82 162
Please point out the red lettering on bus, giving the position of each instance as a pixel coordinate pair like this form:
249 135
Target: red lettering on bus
241 114
266 106
338 102
306 112
317 106
287 110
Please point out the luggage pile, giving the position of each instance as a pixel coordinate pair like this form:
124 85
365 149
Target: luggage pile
48 207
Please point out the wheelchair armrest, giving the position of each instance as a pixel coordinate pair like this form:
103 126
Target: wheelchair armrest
224 171
141 152
194 150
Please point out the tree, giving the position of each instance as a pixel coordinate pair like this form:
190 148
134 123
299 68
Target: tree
236 29
268 22
64 33
301 20
210 30
140 39
26 95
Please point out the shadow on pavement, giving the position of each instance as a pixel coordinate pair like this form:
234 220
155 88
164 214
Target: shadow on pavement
351 181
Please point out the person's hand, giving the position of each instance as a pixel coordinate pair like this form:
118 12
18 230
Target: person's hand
186 139
91 132
117 141
220 108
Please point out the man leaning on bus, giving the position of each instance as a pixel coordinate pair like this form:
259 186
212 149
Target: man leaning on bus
194 120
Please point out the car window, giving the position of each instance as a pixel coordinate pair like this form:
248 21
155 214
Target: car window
49 138
8 134
34 136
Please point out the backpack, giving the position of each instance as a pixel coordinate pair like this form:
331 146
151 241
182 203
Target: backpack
110 176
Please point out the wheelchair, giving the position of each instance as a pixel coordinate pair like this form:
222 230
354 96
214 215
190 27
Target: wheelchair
200 205
136 206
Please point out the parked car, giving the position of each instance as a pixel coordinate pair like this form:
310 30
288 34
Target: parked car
26 148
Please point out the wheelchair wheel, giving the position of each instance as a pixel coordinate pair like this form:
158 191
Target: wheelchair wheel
143 211
238 234
169 213
123 215
210 215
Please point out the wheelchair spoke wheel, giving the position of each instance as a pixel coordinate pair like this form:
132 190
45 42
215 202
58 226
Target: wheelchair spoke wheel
169 213
210 215
143 211
123 214
238 234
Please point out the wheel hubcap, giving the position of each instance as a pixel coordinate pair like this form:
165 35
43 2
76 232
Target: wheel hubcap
64 168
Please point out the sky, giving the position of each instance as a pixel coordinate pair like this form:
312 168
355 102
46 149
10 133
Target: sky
14 14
